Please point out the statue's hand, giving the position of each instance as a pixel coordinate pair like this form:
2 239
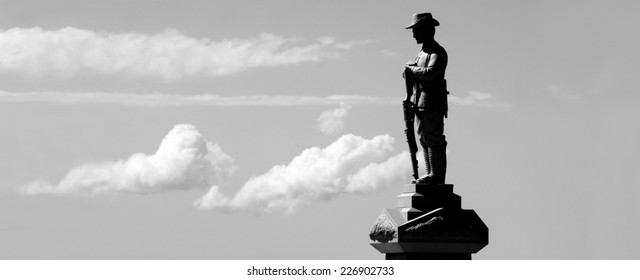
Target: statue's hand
407 68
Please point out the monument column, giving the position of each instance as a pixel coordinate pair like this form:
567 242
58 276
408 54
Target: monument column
429 222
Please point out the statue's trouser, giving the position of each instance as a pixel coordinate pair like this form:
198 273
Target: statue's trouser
434 144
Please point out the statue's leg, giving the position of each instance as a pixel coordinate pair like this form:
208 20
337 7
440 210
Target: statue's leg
422 122
443 161
440 160
432 108
434 144
428 159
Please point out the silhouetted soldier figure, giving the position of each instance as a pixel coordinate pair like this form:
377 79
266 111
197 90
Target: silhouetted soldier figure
425 76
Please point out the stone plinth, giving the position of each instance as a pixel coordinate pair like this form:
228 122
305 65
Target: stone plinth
429 223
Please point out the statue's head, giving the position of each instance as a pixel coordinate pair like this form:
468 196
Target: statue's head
423 27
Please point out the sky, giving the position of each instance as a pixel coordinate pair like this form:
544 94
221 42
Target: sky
161 129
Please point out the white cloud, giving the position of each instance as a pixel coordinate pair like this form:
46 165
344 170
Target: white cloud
562 93
161 99
167 55
184 160
478 99
352 44
332 121
351 164
389 53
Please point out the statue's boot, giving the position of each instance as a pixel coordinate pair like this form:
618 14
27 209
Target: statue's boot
428 162
439 162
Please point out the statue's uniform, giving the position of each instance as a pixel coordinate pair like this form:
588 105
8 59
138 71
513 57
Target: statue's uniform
431 100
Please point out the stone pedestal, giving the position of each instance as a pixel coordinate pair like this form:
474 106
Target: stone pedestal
429 224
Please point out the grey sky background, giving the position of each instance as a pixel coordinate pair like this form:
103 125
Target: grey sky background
273 129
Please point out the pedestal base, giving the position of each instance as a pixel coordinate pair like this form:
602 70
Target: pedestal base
429 224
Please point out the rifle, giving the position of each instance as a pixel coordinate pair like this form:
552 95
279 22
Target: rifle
409 108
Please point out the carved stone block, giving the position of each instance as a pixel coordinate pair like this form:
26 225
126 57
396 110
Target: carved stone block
429 224
428 188
409 213
429 202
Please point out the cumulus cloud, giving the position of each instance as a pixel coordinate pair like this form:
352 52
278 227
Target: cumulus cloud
167 55
330 122
184 160
350 165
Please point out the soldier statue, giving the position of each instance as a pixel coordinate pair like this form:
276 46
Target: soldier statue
427 100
